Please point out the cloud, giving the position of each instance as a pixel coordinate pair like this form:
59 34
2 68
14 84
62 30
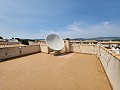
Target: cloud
85 30
74 30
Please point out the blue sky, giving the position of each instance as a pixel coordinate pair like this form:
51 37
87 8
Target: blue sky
67 18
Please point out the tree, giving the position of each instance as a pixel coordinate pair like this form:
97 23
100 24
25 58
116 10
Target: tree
25 42
67 38
18 39
1 37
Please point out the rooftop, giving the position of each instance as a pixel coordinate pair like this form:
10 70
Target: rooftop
46 72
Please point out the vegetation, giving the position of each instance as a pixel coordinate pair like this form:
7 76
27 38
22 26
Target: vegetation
18 39
67 38
25 42
12 38
1 37
116 40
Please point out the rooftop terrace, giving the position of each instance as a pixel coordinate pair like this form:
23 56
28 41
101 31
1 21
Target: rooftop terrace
46 72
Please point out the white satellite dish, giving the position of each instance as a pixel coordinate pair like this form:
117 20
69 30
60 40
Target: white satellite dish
54 42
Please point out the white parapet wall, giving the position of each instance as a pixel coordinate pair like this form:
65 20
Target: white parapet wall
9 52
111 65
89 49
9 43
44 48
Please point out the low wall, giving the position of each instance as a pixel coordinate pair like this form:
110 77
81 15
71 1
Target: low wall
9 43
90 49
44 48
111 65
9 52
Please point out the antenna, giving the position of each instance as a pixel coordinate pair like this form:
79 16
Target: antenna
55 43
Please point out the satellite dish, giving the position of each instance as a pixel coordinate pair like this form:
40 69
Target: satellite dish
54 42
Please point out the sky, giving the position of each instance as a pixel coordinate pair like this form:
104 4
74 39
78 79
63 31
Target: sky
35 19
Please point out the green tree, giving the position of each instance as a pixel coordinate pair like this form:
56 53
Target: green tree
18 39
25 42
1 37
67 38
